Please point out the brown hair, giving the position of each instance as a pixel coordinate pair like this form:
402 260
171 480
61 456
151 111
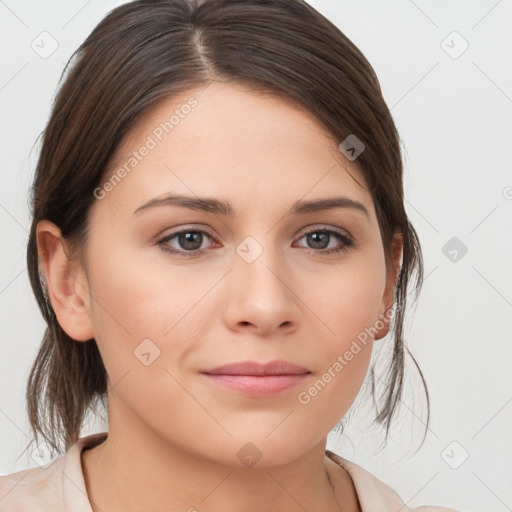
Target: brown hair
145 51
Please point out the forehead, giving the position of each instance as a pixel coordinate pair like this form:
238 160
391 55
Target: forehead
228 140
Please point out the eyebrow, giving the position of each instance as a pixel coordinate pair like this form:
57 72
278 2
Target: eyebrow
219 207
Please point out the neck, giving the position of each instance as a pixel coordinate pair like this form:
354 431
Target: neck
142 473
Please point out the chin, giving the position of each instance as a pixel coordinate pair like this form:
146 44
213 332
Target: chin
263 450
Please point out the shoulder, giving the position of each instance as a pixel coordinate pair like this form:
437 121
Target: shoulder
35 489
373 494
57 486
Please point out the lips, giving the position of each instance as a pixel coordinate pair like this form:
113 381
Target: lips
256 379
254 368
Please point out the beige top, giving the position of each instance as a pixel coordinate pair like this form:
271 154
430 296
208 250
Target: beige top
60 486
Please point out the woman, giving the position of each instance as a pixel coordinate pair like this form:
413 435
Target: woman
218 238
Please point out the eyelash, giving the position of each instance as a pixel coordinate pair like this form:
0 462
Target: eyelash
347 242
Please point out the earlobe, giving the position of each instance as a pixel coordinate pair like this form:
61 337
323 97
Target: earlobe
389 293
65 283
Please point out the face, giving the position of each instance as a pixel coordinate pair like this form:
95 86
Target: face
212 248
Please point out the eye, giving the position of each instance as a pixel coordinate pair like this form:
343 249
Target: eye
321 241
190 242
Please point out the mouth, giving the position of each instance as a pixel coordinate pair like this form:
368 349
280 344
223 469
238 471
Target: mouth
257 379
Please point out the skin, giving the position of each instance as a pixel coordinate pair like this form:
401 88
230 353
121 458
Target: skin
173 432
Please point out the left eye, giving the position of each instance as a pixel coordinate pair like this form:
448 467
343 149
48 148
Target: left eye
320 239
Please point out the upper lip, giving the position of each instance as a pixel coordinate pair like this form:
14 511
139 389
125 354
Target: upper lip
256 368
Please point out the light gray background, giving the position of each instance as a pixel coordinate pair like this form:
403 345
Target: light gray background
454 117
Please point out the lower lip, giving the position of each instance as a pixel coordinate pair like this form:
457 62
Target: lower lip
258 385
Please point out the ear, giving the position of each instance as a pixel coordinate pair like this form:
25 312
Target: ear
389 292
66 283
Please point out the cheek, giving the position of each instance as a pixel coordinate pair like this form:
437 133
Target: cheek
351 297
132 301
349 311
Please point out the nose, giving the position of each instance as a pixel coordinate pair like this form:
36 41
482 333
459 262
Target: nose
261 296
